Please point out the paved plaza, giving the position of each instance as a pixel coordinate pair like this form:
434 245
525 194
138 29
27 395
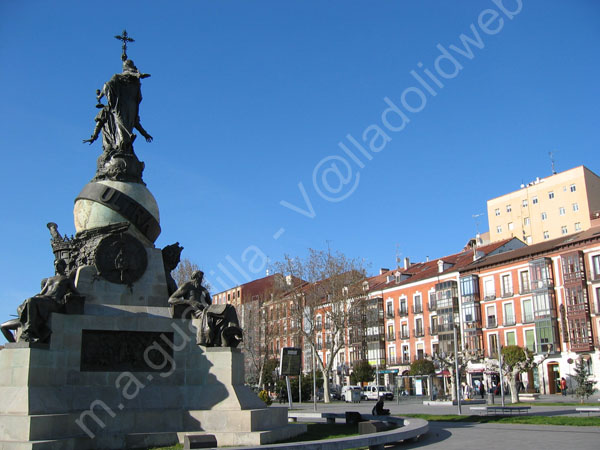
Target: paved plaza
462 436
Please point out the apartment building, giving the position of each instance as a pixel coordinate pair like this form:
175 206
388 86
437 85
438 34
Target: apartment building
545 297
421 307
547 208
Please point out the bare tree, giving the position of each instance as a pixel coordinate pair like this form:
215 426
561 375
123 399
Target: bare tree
183 272
323 290
447 361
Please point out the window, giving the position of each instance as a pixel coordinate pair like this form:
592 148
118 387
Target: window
493 346
419 328
489 291
527 310
405 331
550 195
530 340
534 200
544 216
575 207
509 314
573 188
511 338
498 229
511 226
561 211
418 304
389 310
596 266
507 286
390 333
497 211
563 229
490 312
508 208
577 226
526 221
525 203
546 235
524 280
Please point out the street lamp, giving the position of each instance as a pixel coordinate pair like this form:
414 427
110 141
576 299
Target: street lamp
456 368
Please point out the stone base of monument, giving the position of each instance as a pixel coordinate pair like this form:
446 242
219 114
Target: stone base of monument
127 379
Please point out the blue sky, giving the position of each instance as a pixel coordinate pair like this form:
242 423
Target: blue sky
248 104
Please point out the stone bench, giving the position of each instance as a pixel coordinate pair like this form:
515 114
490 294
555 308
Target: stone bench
588 410
329 417
531 397
507 410
412 429
478 408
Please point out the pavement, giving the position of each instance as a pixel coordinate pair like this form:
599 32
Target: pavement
481 436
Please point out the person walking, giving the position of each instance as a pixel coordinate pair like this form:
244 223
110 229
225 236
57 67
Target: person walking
563 386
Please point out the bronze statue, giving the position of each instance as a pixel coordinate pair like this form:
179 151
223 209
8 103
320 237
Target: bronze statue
34 312
219 323
117 121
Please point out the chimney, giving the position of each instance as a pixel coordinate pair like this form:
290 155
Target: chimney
267 272
406 263
440 264
383 270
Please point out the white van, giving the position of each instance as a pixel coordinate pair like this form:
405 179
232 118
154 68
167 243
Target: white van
373 392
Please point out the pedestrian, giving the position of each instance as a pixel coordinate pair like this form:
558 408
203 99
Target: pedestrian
379 410
481 390
434 393
563 386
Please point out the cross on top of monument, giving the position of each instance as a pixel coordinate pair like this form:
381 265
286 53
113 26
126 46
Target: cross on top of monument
125 38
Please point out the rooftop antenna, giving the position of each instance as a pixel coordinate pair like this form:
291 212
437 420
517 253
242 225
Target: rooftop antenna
476 217
552 162
398 253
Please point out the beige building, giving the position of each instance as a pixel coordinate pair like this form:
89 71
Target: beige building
547 208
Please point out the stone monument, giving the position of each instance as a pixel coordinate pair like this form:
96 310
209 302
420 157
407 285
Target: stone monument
111 354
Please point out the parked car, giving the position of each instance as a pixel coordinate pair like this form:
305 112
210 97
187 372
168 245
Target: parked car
372 392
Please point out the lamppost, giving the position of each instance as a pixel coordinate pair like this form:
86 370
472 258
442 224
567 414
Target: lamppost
456 368
500 369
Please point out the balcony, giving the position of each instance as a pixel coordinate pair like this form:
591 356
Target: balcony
578 309
528 317
389 314
509 320
417 309
418 332
402 312
433 330
375 337
489 297
573 277
405 360
491 322
432 305
391 361
542 284
507 293
582 344
525 290
390 336
404 335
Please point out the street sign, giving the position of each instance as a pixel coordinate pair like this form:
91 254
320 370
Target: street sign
290 361
389 371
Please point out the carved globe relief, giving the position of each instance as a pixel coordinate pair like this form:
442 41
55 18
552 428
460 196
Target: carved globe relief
106 202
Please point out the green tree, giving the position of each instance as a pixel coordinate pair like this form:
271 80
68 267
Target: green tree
585 387
422 367
268 369
363 373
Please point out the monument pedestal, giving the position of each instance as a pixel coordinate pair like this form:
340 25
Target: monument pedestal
127 380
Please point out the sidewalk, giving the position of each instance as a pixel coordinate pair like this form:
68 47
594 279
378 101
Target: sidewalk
415 406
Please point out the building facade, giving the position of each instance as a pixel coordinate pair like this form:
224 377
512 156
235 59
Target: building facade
547 208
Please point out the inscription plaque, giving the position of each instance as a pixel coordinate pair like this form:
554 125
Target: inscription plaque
120 351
